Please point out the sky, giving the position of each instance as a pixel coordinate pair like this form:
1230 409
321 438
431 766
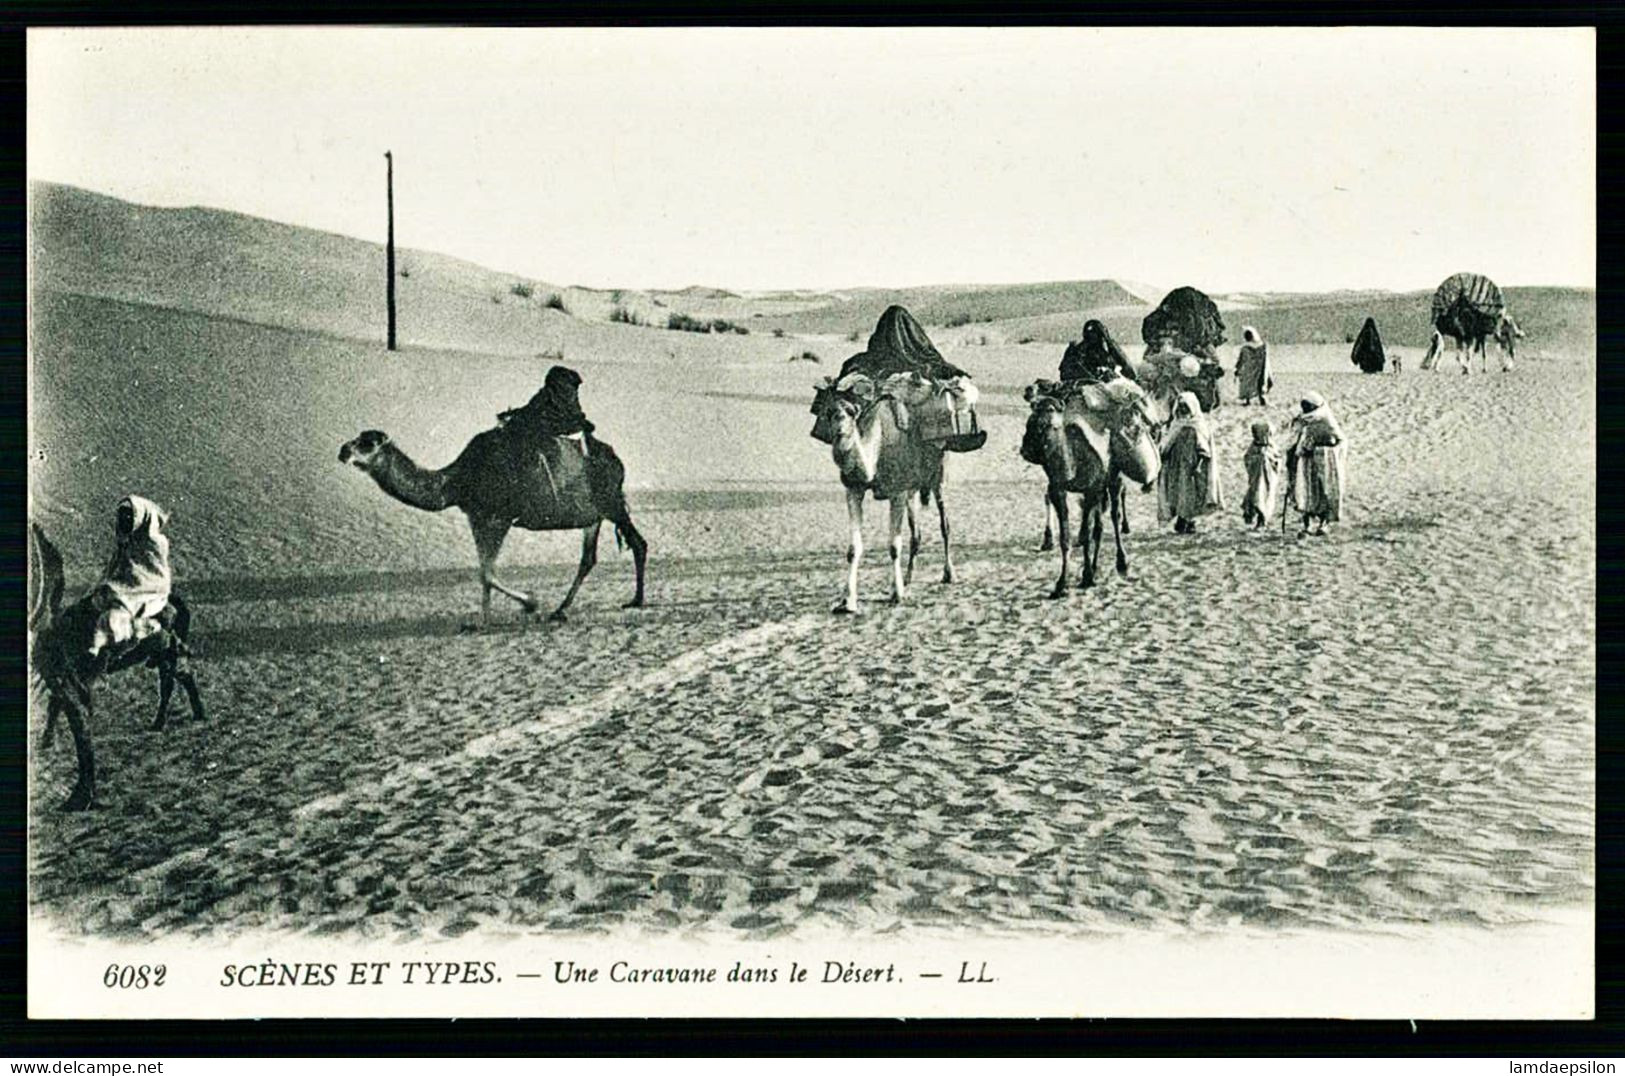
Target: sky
1235 159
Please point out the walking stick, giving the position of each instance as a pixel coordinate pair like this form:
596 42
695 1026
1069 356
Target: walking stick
1292 475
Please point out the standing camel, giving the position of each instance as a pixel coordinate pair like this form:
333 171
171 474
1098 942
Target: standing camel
61 658
1084 454
878 453
498 485
1471 308
1032 451
1469 340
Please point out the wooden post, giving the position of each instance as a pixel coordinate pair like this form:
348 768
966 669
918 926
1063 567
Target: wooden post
389 257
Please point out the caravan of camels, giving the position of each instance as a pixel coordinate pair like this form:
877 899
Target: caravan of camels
1106 427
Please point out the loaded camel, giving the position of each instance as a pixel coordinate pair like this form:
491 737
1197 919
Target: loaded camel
1090 447
876 452
59 652
500 484
1470 341
1471 308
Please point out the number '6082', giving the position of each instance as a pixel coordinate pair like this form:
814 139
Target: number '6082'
134 976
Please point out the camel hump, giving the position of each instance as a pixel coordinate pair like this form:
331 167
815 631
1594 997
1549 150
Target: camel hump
570 481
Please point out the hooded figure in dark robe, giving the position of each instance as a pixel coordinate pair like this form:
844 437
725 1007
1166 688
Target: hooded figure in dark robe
1368 354
1188 320
1096 357
899 345
555 410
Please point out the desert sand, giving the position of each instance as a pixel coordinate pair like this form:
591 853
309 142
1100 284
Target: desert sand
1391 725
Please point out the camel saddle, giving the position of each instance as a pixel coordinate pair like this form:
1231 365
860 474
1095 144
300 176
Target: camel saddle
561 465
1095 409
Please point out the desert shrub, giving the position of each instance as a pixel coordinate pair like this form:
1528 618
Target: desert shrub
497 299
405 273
521 289
684 323
624 316
852 337
552 354
555 301
956 320
1026 339
778 334
805 356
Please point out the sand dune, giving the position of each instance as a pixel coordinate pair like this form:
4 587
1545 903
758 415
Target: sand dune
1391 725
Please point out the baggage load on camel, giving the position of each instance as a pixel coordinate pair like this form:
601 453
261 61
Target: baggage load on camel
950 412
1096 409
1468 304
1186 320
1474 291
1166 374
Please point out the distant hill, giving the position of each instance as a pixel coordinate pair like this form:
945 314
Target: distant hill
228 264
954 305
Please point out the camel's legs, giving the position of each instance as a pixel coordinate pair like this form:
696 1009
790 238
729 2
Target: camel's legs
1048 542
900 510
1119 527
589 557
1057 499
913 541
854 550
622 522
1120 503
1089 538
52 708
189 685
84 789
488 537
947 543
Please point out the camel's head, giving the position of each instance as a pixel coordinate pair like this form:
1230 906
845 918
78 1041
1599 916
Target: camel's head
363 451
1046 419
834 412
843 416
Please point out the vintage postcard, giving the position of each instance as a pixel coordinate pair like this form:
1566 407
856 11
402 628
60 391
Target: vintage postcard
812 522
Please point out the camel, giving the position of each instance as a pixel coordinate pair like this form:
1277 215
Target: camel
877 452
60 654
1468 332
500 484
1047 542
1073 464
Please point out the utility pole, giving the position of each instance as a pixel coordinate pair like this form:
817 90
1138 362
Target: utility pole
389 258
